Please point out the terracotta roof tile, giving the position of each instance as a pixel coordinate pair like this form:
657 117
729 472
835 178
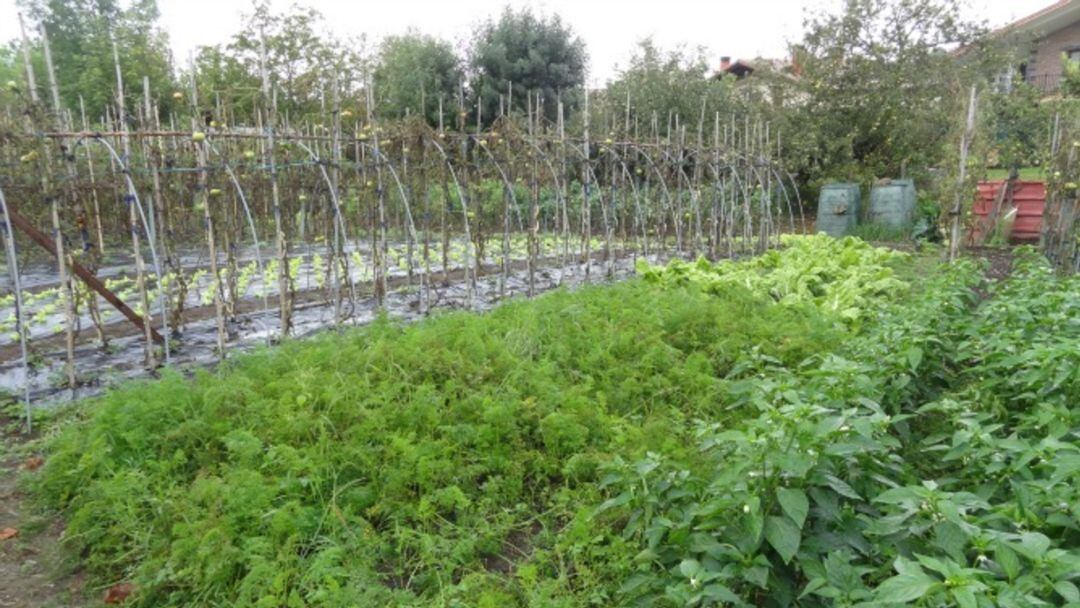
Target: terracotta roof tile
1046 10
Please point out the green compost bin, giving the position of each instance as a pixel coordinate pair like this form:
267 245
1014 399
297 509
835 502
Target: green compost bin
838 209
893 204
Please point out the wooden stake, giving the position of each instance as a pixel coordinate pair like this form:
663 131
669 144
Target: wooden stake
958 204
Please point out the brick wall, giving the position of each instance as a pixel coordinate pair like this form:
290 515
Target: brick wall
1045 67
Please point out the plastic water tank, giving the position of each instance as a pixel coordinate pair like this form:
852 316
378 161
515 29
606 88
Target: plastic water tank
838 209
893 204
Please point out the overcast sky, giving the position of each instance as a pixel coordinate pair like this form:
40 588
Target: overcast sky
610 28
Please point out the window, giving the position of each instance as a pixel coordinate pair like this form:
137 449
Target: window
1004 80
1073 55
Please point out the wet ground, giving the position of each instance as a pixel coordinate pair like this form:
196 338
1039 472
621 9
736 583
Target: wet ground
255 277
314 311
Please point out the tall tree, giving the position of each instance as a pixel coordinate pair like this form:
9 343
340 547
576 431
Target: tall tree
537 54
81 34
219 73
664 83
303 58
882 87
412 72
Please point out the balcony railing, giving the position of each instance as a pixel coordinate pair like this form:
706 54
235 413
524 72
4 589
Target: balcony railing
1047 83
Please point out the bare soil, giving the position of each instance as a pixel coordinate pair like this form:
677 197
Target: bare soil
31 575
999 258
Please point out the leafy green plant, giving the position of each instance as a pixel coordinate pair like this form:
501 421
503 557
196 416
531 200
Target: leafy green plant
396 465
931 461
842 276
724 435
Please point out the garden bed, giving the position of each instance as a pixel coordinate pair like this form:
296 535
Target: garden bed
820 422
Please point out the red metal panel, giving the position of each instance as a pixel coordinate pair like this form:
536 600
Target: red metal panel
1029 199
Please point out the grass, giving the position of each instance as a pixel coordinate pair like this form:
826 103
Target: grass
882 233
1027 174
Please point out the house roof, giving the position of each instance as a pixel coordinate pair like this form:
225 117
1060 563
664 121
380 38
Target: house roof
739 68
1048 19
745 67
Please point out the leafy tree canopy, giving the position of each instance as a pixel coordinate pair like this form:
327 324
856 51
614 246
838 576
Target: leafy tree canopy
536 54
303 60
662 85
413 72
81 34
882 87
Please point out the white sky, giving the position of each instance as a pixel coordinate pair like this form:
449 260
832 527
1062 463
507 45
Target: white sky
610 28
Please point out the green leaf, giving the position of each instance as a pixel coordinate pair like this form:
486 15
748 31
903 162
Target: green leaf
646 555
721 593
914 357
707 544
752 519
689 567
906 587
841 487
794 503
812 586
1033 545
1007 559
895 496
759 575
784 536
936 565
907 566
1011 598
1068 591
634 582
965 598
795 464
611 503
952 539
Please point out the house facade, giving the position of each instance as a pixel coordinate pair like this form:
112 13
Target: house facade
1049 34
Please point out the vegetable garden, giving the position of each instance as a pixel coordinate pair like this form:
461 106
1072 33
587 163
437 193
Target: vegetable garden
217 238
527 346
830 424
